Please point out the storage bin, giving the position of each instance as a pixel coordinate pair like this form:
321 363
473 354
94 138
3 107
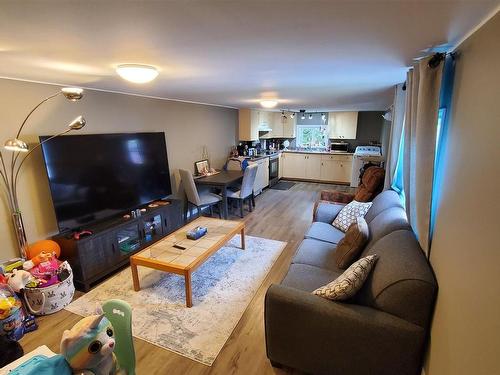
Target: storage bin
44 301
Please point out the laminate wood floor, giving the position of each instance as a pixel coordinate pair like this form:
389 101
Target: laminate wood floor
279 215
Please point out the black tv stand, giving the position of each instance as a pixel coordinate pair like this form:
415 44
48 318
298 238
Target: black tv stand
113 241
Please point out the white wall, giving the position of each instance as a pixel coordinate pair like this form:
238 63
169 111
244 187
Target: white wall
465 253
188 127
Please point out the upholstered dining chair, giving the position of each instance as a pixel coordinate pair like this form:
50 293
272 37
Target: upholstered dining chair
246 191
199 199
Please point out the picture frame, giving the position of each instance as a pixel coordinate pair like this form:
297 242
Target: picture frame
202 167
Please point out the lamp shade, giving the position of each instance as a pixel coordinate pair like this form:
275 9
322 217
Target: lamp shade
72 93
137 73
77 123
17 145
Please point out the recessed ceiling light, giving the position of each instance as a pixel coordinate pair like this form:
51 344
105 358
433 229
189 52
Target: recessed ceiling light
137 73
269 103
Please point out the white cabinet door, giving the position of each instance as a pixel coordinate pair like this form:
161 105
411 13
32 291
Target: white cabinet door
345 171
265 166
289 126
313 167
329 170
280 165
294 165
248 125
342 125
336 168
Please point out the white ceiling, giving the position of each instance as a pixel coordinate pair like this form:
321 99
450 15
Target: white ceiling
317 55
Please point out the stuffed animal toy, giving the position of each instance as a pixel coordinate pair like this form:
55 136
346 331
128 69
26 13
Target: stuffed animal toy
18 279
44 256
88 346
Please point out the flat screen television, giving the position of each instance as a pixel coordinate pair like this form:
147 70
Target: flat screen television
98 176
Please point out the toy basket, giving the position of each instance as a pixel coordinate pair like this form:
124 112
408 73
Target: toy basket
44 301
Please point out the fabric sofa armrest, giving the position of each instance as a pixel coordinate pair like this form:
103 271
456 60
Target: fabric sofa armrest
320 336
326 211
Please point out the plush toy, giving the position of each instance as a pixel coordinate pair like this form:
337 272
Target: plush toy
36 260
18 279
47 246
88 346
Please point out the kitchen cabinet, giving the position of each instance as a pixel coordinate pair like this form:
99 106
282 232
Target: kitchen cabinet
248 125
336 168
280 127
313 167
280 165
342 125
294 165
251 121
318 167
262 176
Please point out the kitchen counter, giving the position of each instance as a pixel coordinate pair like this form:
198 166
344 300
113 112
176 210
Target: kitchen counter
317 152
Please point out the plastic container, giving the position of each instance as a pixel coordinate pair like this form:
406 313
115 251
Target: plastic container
11 314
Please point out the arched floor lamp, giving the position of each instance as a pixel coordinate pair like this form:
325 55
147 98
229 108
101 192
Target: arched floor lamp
10 173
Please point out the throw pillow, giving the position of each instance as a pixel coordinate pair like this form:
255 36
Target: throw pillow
349 247
350 282
349 213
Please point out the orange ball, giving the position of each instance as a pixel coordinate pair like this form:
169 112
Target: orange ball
48 246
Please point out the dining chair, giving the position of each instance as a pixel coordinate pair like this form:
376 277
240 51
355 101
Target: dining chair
199 199
246 191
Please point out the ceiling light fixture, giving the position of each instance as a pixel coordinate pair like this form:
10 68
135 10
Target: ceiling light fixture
302 114
310 116
137 73
269 103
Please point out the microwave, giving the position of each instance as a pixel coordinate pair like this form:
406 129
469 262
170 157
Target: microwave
339 146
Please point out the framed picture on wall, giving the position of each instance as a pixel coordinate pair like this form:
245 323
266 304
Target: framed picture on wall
202 167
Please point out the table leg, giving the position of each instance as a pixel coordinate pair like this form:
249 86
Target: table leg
224 202
243 238
187 281
135 277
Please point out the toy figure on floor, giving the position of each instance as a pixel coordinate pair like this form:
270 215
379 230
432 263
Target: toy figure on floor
88 346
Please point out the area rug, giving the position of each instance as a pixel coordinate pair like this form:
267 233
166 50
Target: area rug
222 289
283 185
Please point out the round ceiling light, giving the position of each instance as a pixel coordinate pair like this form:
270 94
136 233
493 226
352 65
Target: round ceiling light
269 103
137 73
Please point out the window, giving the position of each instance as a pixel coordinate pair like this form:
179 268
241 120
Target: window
312 136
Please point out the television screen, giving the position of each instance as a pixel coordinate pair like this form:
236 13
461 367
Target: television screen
94 177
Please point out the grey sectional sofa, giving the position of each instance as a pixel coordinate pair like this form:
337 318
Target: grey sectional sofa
383 329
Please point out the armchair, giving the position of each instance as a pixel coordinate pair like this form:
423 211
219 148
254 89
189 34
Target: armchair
372 183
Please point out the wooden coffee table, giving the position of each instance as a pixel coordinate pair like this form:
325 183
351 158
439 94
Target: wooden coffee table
165 257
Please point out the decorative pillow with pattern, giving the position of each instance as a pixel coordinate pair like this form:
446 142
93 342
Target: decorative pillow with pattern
350 282
349 213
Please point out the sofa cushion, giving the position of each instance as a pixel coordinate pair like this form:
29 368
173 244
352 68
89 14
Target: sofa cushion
350 282
308 278
349 247
316 253
324 232
387 221
383 201
402 283
349 213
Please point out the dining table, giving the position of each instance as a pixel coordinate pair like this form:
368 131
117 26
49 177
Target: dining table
222 180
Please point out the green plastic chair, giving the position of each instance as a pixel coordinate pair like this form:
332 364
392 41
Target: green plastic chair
119 313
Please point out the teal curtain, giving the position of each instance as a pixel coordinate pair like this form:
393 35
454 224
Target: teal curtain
445 101
397 183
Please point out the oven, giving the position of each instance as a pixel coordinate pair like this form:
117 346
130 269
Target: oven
274 165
